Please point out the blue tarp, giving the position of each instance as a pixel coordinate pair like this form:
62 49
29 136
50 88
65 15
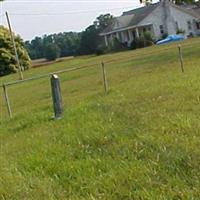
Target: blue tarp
170 38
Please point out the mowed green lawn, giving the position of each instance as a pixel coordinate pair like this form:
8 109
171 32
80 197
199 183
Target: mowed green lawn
140 141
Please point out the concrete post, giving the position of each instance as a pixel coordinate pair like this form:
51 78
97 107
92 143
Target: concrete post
105 82
56 96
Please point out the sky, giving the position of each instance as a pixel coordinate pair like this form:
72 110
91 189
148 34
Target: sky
30 18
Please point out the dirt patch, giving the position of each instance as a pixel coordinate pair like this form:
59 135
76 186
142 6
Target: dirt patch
43 62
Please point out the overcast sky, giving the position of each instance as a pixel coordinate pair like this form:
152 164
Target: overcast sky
39 17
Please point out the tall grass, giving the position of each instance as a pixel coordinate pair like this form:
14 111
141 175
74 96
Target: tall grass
141 141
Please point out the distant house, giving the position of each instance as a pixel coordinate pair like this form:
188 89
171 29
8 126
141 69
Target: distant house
159 19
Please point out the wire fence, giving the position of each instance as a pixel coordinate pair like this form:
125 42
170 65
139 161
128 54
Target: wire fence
80 82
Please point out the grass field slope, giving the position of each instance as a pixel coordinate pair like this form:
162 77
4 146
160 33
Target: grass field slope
141 141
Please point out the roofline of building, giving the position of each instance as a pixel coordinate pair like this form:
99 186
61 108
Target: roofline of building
128 27
124 29
189 12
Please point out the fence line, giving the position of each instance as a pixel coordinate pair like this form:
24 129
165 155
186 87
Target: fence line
75 68
46 75
147 54
55 96
102 64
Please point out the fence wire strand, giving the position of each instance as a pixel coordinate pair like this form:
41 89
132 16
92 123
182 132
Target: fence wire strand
131 57
76 67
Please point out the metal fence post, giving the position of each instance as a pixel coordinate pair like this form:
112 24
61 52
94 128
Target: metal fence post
7 100
56 96
181 58
105 82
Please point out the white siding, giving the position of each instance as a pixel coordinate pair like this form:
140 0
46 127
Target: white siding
165 15
156 18
182 18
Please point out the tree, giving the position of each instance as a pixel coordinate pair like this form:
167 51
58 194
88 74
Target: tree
52 51
90 39
8 63
38 47
69 43
103 21
147 2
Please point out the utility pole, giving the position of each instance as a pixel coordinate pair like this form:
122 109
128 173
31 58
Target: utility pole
15 49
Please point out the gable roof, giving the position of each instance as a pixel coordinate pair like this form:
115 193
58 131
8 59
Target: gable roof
130 18
118 23
143 10
193 10
134 17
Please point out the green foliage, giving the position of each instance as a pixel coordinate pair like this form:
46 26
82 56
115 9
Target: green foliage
90 39
113 46
178 2
8 62
52 51
164 35
148 36
103 21
116 45
180 31
70 43
101 49
35 48
139 142
147 2
143 41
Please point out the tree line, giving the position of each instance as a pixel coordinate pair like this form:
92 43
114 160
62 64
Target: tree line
69 43
61 44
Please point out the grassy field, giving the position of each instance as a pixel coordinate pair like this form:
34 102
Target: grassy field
140 141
